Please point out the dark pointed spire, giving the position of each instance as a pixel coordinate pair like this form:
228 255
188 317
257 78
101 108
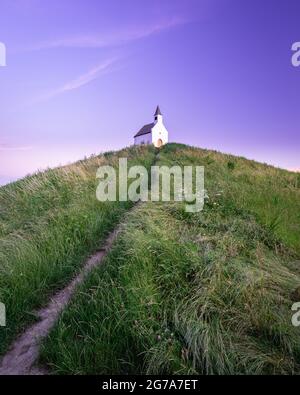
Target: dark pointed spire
157 112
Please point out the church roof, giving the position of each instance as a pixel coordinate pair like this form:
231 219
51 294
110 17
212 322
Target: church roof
157 112
145 129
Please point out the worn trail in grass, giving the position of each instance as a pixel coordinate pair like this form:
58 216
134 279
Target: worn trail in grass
205 293
22 357
49 224
181 293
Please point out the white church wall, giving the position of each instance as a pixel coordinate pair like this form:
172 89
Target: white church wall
159 132
143 139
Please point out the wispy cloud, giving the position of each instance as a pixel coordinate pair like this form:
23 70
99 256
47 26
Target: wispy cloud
112 39
4 147
78 82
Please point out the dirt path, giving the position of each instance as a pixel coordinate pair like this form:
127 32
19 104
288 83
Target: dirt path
24 352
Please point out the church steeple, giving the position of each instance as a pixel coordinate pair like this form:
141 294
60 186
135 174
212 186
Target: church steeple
157 112
158 115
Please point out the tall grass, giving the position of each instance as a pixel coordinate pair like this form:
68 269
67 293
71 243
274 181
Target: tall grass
182 293
205 293
272 194
49 223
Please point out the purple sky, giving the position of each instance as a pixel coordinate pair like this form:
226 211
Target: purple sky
83 76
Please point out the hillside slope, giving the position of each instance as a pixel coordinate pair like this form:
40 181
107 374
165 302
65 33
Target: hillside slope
49 223
206 293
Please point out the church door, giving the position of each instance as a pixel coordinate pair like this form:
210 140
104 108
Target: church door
159 143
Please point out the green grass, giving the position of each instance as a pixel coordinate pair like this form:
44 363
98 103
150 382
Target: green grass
272 194
49 223
204 293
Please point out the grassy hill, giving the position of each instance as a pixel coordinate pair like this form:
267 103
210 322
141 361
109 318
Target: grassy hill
204 293
49 223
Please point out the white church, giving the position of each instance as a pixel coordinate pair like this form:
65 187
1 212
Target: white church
154 133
